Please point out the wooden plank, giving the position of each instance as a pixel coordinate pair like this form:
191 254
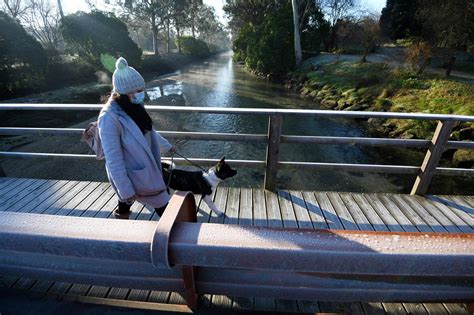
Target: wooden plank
245 213
314 210
338 307
275 123
373 308
90 201
328 211
265 304
138 295
372 216
357 214
42 286
99 204
301 212
432 157
283 305
446 205
456 308
221 301
287 212
118 293
448 219
461 204
220 202
404 222
342 212
98 291
12 185
7 182
16 205
47 198
434 206
273 209
108 208
66 194
232 206
8 281
435 308
259 208
245 218
10 198
424 223
24 284
311 307
79 289
159 297
203 210
392 308
385 215
176 298
73 202
60 288
24 185
415 308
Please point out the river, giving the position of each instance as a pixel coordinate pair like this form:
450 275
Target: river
219 82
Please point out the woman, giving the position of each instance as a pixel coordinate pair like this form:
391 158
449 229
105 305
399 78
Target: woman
132 147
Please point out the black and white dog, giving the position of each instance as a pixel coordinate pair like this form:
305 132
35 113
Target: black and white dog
202 183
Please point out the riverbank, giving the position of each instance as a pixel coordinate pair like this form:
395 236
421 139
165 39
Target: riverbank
379 86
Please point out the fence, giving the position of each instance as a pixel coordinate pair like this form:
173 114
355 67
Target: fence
274 138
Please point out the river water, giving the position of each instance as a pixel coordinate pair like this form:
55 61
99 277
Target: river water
219 82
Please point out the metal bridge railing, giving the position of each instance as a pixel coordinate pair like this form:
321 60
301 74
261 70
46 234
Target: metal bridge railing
274 138
180 255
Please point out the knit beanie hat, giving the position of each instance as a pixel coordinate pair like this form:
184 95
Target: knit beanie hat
126 79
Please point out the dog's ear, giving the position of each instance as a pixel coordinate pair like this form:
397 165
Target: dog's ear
222 160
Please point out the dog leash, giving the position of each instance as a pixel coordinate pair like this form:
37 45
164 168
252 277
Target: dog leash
191 162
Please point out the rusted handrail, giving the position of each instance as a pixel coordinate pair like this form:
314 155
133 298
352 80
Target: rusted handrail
237 260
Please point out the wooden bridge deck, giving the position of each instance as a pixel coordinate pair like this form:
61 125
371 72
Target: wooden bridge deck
333 210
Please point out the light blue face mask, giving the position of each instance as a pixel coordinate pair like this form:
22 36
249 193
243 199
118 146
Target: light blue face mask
138 98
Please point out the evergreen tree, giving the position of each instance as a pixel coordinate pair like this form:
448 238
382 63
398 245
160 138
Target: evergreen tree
398 19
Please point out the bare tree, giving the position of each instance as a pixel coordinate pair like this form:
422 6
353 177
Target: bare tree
15 8
371 34
336 11
296 28
42 21
60 8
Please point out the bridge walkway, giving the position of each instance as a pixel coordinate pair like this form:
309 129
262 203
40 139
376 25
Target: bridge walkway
244 206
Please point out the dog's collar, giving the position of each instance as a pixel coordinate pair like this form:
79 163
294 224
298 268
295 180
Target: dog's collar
211 177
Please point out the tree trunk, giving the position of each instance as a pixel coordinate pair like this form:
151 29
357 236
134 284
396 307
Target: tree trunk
155 35
450 66
168 48
366 51
179 41
60 7
296 23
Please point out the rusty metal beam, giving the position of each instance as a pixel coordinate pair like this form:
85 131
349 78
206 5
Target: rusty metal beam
238 260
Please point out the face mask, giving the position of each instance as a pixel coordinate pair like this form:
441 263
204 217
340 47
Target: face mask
138 98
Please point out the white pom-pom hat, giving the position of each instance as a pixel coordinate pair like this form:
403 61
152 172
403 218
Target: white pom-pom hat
126 79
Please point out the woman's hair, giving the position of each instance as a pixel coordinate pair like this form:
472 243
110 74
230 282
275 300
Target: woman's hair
119 98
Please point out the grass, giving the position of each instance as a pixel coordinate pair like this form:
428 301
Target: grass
377 86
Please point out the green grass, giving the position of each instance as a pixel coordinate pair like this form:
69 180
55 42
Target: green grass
376 86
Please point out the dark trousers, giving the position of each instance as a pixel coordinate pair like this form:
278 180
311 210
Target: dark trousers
124 208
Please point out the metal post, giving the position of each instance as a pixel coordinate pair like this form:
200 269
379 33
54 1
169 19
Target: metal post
273 151
432 157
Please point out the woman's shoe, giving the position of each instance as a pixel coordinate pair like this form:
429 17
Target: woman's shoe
123 216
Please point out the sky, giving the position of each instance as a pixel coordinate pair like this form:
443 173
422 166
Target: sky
71 6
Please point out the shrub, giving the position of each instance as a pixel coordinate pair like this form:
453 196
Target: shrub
96 34
193 47
23 61
419 56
